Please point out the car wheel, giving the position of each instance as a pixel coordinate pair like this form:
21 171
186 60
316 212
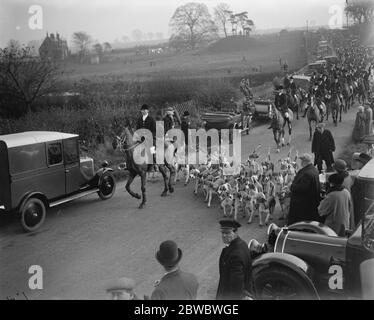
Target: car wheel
33 214
280 283
107 186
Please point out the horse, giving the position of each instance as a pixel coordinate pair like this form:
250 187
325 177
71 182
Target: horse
336 107
314 117
278 123
294 103
348 95
128 145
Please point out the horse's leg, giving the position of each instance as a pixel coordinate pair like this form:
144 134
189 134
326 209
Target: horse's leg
128 184
162 169
143 181
276 139
171 178
289 132
340 112
310 130
210 196
196 185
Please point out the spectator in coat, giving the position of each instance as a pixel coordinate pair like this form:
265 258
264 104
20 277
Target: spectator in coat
305 193
323 146
235 264
359 129
368 120
175 284
337 208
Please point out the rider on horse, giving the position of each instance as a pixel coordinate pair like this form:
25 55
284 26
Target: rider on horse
281 103
336 89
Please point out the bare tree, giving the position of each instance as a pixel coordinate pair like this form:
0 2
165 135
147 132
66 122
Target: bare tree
234 24
137 35
25 78
98 49
222 14
361 11
82 40
193 23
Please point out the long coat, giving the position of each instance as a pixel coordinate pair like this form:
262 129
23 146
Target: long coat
235 270
337 207
323 145
149 123
176 285
305 196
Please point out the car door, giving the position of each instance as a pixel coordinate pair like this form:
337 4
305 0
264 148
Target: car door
54 176
72 167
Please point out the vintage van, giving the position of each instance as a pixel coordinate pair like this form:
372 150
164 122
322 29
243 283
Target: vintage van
42 169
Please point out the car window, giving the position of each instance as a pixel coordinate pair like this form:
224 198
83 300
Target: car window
54 153
71 154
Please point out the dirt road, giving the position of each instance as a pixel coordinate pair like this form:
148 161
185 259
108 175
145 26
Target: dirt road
84 244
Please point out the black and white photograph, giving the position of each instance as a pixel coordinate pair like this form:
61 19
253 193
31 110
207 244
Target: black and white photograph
174 150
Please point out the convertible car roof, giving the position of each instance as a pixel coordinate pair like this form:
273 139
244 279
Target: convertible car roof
368 170
31 137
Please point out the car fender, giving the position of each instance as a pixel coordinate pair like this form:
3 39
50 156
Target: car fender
313 226
297 265
100 173
29 195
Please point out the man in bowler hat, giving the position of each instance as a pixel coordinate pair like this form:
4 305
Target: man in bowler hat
235 264
175 284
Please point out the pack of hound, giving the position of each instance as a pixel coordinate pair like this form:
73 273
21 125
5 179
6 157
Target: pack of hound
251 193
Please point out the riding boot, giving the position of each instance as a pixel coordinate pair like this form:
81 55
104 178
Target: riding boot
306 110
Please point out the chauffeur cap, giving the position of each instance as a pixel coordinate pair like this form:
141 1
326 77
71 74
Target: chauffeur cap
229 224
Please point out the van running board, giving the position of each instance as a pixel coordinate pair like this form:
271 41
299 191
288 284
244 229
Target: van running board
74 197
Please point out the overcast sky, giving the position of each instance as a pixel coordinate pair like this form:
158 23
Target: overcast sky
107 20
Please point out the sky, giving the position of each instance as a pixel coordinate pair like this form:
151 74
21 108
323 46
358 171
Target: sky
108 20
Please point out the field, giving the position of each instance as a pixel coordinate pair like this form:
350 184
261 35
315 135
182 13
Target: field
230 57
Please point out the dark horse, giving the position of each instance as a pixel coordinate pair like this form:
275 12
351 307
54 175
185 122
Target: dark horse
128 145
336 107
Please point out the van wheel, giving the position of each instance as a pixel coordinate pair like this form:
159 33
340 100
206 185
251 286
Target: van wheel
33 214
107 186
279 283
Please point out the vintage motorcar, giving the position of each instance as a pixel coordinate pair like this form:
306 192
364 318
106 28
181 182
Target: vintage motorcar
317 66
302 81
307 260
43 169
261 109
227 120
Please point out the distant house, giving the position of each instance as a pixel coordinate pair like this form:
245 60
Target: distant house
53 48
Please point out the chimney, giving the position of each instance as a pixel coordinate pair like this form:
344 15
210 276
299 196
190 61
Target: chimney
52 36
57 36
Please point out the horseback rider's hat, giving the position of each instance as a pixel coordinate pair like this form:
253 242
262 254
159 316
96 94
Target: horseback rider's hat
144 107
229 224
169 254
186 113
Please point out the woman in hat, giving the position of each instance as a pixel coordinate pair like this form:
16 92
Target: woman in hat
337 207
175 284
359 129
